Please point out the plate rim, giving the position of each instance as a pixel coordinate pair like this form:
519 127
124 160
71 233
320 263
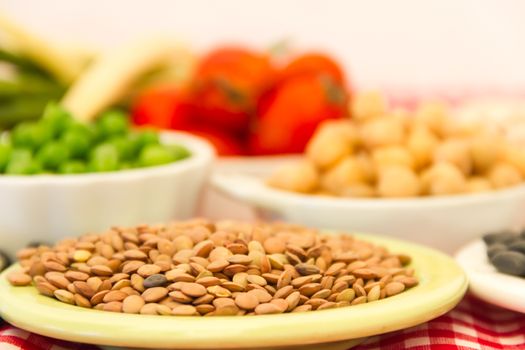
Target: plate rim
443 292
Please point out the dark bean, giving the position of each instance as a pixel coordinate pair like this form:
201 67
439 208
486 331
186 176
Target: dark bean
499 237
36 244
156 280
512 240
510 262
307 269
518 246
495 248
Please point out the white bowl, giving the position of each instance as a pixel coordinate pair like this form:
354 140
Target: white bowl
46 208
445 222
217 206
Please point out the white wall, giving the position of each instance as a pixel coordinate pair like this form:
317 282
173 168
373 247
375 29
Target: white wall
404 44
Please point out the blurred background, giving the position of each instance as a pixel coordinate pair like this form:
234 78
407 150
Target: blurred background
399 46
95 87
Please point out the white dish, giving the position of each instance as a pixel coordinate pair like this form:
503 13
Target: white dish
216 205
445 222
486 282
50 207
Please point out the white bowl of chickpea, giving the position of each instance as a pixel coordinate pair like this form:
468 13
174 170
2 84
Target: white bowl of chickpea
416 175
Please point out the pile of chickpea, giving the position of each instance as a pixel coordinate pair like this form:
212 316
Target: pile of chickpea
393 153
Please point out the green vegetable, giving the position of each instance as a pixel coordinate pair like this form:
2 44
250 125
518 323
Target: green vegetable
5 153
56 118
20 109
22 163
179 152
124 146
155 155
28 87
104 158
126 166
72 167
22 63
143 138
113 123
52 154
77 142
59 144
30 135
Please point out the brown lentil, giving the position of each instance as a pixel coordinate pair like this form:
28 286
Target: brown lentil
268 308
132 304
18 278
246 301
225 268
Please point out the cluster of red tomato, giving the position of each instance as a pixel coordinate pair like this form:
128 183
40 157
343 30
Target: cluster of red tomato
246 104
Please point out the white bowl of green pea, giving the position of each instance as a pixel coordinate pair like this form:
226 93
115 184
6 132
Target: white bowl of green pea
59 177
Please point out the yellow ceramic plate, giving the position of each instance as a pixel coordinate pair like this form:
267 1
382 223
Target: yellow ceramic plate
442 285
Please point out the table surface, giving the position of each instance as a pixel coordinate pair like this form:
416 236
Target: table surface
472 325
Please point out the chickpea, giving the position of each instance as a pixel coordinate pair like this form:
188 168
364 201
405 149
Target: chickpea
422 143
478 184
443 179
398 181
462 130
434 116
516 156
392 155
455 151
358 190
516 134
367 166
504 175
484 151
345 173
368 105
382 132
331 142
298 177
385 152
402 116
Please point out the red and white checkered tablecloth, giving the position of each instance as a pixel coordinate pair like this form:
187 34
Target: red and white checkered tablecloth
472 325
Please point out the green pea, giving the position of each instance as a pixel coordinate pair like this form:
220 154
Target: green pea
155 155
5 153
56 118
113 123
124 146
21 154
179 152
104 158
143 138
72 167
89 130
22 163
77 142
31 135
52 154
126 166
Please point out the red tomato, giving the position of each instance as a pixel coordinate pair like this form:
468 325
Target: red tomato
313 63
224 143
227 84
163 107
290 114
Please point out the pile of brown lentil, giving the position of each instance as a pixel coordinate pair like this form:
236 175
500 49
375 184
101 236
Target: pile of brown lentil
199 267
